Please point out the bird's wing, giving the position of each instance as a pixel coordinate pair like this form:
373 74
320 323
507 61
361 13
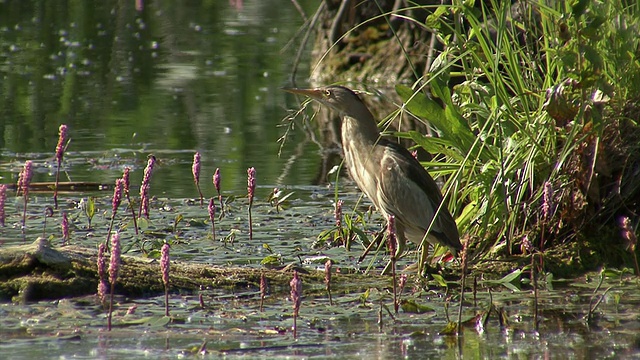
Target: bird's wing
409 192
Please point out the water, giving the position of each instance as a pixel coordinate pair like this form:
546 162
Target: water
206 76
171 80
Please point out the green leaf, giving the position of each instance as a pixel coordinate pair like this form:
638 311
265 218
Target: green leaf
272 260
90 209
453 126
433 20
450 329
440 280
143 224
579 7
411 307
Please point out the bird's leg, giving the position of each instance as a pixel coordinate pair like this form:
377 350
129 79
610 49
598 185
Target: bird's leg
424 253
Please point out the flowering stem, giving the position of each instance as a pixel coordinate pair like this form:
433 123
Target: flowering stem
62 138
327 279
126 183
195 169
144 188
296 298
250 221
263 290
23 184
115 203
3 199
212 217
164 266
216 183
465 260
251 188
391 227
114 268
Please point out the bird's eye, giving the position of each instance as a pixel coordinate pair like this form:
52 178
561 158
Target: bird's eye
327 93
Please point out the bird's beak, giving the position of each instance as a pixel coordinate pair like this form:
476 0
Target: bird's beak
312 93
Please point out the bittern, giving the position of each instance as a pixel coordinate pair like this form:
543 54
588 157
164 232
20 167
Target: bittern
392 178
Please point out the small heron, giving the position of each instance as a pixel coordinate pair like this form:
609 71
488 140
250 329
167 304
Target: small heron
388 174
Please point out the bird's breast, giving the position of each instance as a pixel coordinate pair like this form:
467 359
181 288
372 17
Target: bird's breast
360 159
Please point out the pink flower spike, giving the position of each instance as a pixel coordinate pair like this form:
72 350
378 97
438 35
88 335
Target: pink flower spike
144 188
125 179
338 213
164 267
103 289
25 177
212 217
117 196
296 298
391 229
251 183
114 262
65 227
251 188
164 263
216 183
3 199
195 168
62 140
216 180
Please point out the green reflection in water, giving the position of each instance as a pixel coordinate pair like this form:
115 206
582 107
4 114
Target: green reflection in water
169 80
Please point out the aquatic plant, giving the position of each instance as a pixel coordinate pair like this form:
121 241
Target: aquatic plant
126 184
630 238
60 147
212 217
48 212
88 207
115 203
393 246
263 290
24 179
164 268
327 279
64 226
114 268
3 199
251 188
338 213
195 170
216 184
144 188
296 299
103 287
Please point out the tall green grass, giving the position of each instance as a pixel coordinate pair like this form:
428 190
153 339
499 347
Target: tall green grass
534 99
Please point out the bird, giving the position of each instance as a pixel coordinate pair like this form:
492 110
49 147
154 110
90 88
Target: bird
391 177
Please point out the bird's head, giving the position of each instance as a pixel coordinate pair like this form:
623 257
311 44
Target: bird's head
338 98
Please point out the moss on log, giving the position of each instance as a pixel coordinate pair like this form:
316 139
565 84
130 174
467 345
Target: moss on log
38 271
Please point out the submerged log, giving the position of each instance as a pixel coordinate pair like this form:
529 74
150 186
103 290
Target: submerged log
38 271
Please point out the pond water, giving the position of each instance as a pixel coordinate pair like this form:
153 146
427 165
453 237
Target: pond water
205 76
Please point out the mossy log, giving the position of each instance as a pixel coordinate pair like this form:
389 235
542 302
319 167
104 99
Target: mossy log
38 271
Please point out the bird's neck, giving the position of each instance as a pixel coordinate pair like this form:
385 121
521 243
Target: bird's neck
363 130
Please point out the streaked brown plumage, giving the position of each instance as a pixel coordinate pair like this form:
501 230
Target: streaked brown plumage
387 173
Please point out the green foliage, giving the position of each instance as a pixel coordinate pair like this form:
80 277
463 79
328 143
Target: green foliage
89 208
500 138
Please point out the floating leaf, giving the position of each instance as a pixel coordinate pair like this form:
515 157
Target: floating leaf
412 307
450 329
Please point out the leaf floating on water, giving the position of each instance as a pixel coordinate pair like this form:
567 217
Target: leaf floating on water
411 307
149 321
450 329
272 260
